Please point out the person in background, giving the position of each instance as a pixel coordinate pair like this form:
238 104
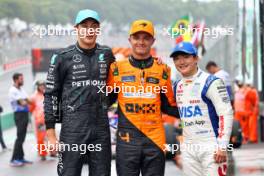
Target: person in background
243 108
213 68
2 142
253 117
37 110
169 123
19 102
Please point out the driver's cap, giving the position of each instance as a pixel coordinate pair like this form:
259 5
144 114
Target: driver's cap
86 13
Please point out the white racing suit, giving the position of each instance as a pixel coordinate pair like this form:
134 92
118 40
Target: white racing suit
207 117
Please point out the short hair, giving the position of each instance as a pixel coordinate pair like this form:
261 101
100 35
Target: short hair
210 64
95 21
16 76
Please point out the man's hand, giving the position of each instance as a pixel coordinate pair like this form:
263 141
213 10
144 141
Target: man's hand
220 156
159 60
22 102
28 101
53 142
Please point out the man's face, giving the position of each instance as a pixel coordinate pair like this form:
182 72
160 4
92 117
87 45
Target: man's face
88 31
141 43
186 64
20 81
211 70
41 88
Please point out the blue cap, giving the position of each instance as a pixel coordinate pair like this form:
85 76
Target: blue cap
86 13
184 47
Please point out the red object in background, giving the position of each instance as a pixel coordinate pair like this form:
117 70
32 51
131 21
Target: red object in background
36 57
16 63
198 36
179 39
41 59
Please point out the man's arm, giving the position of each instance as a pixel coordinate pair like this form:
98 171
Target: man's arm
168 103
16 102
52 95
167 108
52 98
112 96
32 104
218 94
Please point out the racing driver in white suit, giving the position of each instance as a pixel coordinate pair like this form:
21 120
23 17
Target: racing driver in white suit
206 115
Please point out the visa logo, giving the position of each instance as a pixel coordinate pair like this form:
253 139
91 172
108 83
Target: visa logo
190 111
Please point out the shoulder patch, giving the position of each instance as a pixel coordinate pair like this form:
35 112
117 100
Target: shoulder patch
175 84
165 74
208 82
115 72
53 59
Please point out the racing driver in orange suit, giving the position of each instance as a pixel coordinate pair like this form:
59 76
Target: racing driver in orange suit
144 91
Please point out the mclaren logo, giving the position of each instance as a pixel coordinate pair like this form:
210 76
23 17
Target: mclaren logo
77 58
143 24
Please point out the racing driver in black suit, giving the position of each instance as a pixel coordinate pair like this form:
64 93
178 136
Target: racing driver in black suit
75 76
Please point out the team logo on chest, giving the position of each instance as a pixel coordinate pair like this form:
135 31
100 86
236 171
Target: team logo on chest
102 66
77 58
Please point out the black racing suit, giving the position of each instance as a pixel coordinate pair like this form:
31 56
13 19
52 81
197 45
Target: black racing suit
74 83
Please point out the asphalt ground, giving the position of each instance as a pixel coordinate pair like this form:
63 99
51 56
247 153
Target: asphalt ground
249 160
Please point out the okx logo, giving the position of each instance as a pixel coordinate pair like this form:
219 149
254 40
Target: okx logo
140 108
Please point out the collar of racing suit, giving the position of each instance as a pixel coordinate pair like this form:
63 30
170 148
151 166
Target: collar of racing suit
86 51
142 64
197 74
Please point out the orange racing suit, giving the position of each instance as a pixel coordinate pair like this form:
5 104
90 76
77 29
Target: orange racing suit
144 91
